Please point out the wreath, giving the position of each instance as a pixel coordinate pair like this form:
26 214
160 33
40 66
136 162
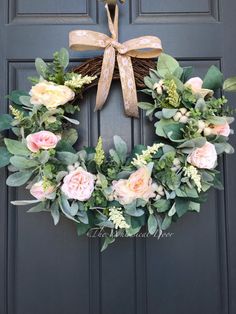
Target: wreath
118 193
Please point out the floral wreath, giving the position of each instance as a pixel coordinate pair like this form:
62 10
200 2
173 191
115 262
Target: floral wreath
152 186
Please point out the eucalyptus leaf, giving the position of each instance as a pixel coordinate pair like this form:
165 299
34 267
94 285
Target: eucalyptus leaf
182 206
15 96
145 105
121 148
65 208
5 122
168 113
166 65
230 84
70 135
83 217
25 100
4 157
82 229
213 79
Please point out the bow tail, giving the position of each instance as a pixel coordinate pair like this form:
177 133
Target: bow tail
106 76
128 85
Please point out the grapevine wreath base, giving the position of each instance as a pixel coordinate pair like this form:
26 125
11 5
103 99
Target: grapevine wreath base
118 193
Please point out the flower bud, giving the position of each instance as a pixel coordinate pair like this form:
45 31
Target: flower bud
177 116
207 131
183 111
183 119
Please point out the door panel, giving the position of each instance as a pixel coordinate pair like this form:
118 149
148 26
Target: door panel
44 269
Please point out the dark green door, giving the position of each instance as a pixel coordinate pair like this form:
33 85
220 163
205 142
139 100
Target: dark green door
48 270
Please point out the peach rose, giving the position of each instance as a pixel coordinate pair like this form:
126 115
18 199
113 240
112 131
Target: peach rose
42 140
78 185
204 157
39 192
50 95
195 83
139 185
222 129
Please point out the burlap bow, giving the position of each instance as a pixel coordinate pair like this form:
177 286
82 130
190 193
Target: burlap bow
89 40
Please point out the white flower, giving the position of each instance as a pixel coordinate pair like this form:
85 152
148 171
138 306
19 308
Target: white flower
192 173
116 216
77 80
143 159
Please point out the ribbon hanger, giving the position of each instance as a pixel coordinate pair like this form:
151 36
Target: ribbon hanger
82 40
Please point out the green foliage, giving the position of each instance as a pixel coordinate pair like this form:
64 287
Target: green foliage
230 84
16 148
5 122
213 79
166 65
99 153
4 157
19 178
182 115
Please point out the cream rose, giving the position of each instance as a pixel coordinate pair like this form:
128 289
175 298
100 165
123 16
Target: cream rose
222 129
50 95
42 140
39 192
204 157
139 185
195 83
78 185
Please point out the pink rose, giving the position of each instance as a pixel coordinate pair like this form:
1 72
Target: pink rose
39 192
78 185
42 140
195 83
204 157
139 185
222 129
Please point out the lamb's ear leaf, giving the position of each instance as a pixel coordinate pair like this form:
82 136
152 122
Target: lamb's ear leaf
19 178
16 148
121 148
64 57
41 67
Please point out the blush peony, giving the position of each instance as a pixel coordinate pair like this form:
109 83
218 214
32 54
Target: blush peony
42 140
139 185
50 95
204 157
78 185
222 129
39 192
195 83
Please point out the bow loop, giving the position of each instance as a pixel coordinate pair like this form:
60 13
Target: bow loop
142 47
